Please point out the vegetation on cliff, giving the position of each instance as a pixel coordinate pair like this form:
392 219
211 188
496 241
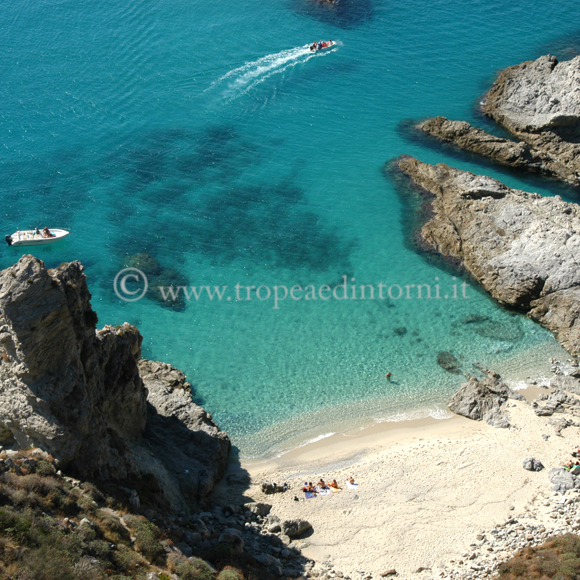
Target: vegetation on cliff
53 526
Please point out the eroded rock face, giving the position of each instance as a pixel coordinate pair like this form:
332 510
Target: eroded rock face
76 392
181 433
516 154
483 399
537 95
520 247
538 102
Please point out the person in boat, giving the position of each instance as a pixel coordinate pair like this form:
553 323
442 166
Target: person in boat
46 233
319 47
313 46
324 45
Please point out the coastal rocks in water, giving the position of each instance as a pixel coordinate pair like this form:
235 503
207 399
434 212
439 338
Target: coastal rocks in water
76 393
532 464
516 154
483 400
449 362
292 528
520 247
538 102
537 95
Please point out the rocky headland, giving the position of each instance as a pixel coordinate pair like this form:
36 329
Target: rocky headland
536 102
522 248
85 396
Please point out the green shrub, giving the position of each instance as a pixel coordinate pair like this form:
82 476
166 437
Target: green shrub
99 549
93 492
128 560
194 569
229 573
45 468
112 529
147 536
16 525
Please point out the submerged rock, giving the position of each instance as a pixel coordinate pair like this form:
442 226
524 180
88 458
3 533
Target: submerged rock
449 362
77 393
520 247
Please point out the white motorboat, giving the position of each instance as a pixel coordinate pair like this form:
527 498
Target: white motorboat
322 45
36 237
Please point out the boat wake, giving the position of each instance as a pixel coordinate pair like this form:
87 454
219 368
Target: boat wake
243 79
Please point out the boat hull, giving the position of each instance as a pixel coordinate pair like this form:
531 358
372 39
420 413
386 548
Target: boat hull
324 47
30 238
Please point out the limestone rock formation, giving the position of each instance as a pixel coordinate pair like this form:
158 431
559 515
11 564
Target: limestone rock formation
483 400
76 392
538 95
516 154
538 102
520 247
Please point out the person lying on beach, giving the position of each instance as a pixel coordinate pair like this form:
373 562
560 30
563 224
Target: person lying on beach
334 484
352 481
321 484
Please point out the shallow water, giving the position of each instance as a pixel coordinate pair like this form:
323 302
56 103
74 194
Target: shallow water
208 137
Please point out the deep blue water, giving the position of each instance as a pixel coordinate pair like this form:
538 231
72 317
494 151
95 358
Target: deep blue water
208 137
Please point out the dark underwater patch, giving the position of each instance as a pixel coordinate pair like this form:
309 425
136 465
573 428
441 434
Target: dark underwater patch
340 13
184 194
268 225
564 47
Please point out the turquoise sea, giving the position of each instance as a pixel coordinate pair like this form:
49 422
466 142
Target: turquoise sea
208 137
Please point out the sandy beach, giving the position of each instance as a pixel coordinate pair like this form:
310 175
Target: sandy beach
426 488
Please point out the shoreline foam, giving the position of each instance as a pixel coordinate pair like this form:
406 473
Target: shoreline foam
286 436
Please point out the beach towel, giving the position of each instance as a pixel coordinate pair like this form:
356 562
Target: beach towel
352 485
335 490
324 491
309 494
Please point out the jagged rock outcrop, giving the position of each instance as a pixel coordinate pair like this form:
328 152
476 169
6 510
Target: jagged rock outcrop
484 399
522 248
516 154
538 102
537 95
181 433
76 392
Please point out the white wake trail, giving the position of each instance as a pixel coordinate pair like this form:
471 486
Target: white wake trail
244 78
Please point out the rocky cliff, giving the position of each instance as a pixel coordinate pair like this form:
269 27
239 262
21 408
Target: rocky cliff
522 248
538 102
77 393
